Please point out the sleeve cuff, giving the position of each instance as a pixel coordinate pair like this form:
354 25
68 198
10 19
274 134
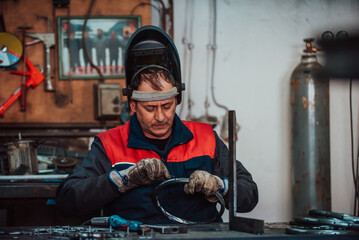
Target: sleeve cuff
224 189
117 179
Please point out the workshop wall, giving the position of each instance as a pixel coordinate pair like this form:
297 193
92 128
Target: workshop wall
259 43
73 100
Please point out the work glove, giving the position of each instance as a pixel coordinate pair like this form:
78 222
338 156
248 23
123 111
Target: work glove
206 183
146 171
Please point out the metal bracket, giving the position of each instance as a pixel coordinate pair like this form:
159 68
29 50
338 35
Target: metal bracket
242 224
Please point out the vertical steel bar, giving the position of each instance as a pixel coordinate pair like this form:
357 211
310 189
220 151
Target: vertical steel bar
242 224
232 167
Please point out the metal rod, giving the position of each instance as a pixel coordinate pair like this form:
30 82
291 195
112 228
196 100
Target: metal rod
242 224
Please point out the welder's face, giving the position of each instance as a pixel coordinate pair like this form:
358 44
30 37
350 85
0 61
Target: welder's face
155 117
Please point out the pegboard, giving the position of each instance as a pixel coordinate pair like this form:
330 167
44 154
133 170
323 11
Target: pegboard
73 100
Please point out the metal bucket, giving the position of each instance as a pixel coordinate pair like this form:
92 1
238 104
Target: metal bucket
22 157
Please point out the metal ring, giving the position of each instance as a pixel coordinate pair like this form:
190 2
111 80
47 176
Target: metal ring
180 220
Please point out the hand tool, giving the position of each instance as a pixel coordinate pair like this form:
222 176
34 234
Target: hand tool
34 78
49 41
163 229
116 221
23 84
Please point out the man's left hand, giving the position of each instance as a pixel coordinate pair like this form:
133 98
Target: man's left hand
206 183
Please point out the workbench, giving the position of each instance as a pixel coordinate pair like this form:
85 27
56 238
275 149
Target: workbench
218 231
30 202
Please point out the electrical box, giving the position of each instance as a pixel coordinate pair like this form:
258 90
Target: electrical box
107 101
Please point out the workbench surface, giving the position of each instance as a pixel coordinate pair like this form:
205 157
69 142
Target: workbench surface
207 231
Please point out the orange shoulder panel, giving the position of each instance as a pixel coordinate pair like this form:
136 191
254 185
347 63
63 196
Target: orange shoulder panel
115 144
203 143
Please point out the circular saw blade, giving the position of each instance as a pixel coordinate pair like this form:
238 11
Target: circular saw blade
11 49
62 161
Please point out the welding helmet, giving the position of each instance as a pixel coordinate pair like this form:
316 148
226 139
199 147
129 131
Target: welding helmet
148 47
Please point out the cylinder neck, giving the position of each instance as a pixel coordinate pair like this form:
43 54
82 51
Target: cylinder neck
309 58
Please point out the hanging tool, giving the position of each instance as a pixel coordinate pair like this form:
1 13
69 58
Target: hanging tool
47 20
49 41
11 49
34 78
23 29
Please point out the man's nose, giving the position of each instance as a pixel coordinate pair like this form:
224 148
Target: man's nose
159 115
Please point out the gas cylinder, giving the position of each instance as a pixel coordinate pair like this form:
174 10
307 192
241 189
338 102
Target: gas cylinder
310 143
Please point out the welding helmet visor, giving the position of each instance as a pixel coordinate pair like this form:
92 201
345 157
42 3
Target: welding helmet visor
149 47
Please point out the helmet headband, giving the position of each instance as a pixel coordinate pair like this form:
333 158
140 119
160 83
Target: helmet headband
145 96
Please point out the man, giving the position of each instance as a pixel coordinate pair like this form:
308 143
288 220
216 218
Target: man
126 163
88 45
127 32
75 46
113 45
100 46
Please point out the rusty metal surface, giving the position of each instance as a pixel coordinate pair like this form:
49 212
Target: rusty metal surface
40 130
28 190
310 138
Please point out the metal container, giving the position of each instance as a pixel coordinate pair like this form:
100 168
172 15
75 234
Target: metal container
310 141
22 157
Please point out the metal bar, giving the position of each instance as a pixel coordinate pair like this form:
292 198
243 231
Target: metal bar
28 190
33 177
38 134
232 166
36 129
242 224
40 125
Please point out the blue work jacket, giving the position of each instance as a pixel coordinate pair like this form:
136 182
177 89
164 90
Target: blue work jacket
192 146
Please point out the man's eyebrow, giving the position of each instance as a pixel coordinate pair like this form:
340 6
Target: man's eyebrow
155 105
167 103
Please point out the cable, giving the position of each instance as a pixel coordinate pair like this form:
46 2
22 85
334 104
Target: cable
184 58
354 172
214 55
83 41
69 45
189 46
152 5
211 48
357 173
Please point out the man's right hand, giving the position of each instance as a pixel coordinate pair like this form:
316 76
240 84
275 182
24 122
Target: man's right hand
146 171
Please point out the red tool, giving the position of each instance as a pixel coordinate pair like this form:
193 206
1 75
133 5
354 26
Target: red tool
33 78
